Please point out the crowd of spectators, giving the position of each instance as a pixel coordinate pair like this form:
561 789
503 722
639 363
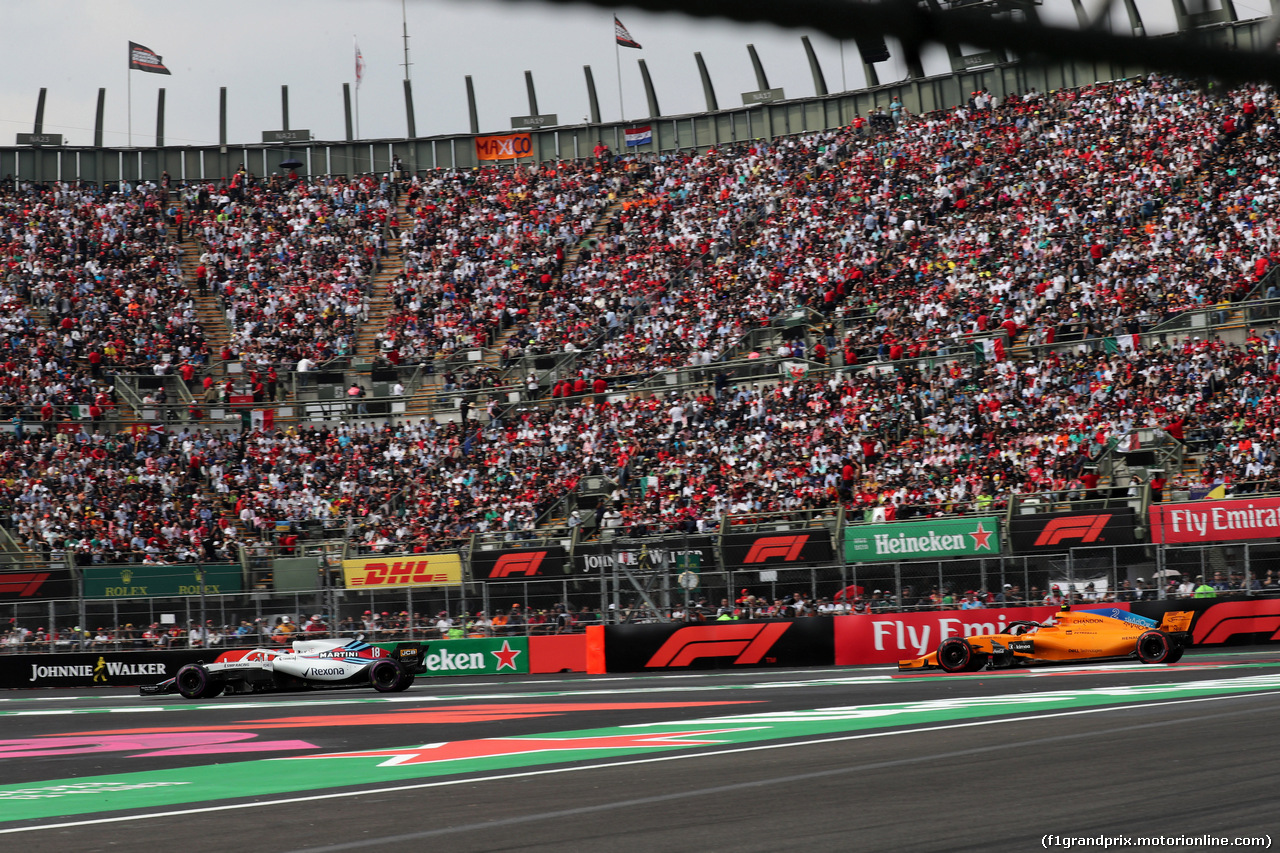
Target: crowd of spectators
291 261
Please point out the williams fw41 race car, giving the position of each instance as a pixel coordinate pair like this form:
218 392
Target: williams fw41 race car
311 665
1073 635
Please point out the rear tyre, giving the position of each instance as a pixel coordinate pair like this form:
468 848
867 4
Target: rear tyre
1154 647
1175 655
956 655
386 675
193 681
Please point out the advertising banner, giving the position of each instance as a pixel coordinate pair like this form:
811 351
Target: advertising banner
487 656
1057 532
922 540
1234 621
417 570
140 581
507 146
891 637
718 645
94 669
1215 521
36 585
519 564
778 550
695 553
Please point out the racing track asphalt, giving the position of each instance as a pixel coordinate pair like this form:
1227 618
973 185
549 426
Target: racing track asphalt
1184 766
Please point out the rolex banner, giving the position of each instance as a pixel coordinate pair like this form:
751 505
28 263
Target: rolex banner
922 540
142 581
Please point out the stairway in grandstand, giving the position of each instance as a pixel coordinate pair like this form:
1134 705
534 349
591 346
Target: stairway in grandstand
217 333
380 304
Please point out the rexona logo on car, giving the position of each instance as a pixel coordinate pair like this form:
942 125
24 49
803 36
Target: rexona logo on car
747 644
427 570
1084 528
786 548
518 564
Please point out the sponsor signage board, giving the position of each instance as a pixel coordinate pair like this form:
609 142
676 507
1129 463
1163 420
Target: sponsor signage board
417 570
1057 532
36 585
519 564
718 645
762 96
923 540
1220 621
487 656
142 581
694 553
39 139
891 637
778 550
545 120
507 146
94 669
1215 521
286 136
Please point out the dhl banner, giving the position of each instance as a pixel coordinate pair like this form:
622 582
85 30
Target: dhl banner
510 146
405 570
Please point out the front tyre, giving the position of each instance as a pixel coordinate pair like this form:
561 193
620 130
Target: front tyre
193 681
387 676
956 655
1155 647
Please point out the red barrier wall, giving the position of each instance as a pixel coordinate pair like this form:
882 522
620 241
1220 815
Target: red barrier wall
561 653
891 637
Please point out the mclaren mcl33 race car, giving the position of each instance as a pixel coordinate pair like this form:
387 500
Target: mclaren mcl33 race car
311 665
1072 636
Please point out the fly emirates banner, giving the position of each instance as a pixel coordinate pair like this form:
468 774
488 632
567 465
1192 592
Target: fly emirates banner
1215 521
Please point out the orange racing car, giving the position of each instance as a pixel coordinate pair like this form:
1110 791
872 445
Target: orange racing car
1073 635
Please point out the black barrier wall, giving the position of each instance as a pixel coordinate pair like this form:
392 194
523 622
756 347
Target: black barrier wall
719 645
96 669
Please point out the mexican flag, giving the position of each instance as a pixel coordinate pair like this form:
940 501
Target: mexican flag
989 350
1114 345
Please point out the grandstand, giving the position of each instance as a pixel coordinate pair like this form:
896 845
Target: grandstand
1031 302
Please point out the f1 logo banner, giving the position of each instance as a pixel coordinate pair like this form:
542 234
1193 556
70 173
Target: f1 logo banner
1059 532
518 565
422 570
719 645
770 550
510 146
1231 622
38 585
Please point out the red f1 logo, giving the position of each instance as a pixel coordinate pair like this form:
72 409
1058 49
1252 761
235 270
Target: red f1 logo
787 548
1086 528
518 564
748 642
24 584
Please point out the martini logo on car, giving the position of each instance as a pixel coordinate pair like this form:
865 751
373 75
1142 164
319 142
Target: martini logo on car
912 540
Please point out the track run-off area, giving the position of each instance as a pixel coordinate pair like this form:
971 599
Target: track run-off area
828 758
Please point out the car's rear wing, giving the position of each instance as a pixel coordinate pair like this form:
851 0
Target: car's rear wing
1177 621
411 656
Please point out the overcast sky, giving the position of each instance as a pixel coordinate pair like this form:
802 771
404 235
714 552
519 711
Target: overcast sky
73 47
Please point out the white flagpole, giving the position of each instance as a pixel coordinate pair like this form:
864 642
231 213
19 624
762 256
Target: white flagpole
129 103
359 61
617 57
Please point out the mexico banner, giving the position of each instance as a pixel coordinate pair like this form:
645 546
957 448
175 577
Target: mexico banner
922 540
510 146
1215 521
418 570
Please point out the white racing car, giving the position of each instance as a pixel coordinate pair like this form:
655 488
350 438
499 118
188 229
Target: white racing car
311 665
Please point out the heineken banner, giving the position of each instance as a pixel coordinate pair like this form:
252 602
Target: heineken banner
36 585
519 564
420 570
141 581
783 549
922 540
484 656
694 553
